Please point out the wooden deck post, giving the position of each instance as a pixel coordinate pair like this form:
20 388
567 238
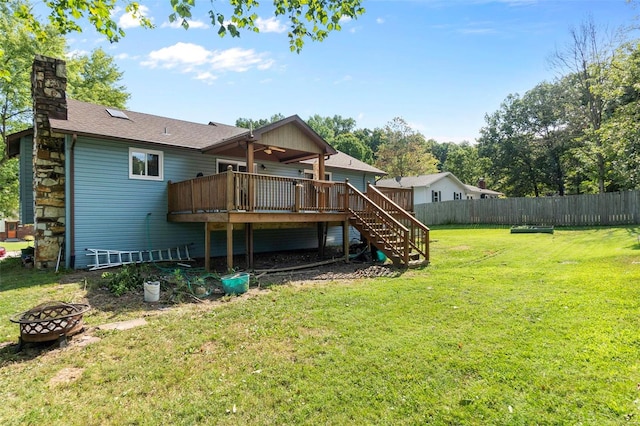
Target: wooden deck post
207 247
321 196
229 246
248 234
297 197
250 184
345 239
346 195
230 189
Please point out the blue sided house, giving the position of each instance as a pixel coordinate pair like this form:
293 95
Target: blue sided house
99 182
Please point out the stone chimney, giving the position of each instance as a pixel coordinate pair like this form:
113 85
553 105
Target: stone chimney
482 184
48 85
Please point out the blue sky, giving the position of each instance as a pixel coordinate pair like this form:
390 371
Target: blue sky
441 65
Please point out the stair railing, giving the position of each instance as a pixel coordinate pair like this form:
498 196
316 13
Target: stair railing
419 231
379 224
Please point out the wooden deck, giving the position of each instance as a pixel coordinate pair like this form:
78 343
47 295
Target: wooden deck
234 200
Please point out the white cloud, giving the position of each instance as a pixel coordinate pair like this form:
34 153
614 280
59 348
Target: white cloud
193 24
345 19
206 76
77 53
270 25
128 21
206 65
379 21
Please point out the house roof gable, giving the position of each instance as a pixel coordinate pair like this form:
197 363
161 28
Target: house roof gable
417 181
296 140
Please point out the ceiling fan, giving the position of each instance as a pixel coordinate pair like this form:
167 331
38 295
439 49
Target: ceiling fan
269 149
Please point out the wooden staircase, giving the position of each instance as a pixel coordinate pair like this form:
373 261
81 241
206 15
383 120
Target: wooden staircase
391 229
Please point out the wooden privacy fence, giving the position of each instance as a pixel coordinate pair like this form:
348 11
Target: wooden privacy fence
614 208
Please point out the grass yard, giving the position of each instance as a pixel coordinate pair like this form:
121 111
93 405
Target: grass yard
500 329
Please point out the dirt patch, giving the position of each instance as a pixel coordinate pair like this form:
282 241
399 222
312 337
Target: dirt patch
66 376
308 267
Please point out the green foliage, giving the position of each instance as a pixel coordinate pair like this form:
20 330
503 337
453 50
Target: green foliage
95 79
18 47
463 161
312 20
248 123
404 151
90 78
130 277
331 127
351 145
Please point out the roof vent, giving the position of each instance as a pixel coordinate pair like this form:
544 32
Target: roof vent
117 113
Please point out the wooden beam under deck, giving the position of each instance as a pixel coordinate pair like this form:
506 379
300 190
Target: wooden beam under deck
257 217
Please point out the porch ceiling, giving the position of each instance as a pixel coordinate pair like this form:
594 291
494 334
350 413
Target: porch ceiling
238 149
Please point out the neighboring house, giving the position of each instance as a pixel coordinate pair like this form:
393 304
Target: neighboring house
481 191
438 187
93 177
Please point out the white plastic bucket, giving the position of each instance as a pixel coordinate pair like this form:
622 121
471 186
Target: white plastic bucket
152 291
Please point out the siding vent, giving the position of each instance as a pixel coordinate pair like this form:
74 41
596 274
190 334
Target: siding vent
117 113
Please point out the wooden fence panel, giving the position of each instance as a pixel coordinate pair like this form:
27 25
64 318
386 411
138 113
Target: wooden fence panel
613 208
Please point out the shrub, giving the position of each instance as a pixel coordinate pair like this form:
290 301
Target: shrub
130 277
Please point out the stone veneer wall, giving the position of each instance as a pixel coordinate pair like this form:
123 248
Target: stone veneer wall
48 85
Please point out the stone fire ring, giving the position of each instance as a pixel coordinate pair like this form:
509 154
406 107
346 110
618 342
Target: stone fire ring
50 321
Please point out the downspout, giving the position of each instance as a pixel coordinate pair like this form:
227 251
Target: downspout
70 248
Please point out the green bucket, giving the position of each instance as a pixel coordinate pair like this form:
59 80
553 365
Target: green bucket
235 283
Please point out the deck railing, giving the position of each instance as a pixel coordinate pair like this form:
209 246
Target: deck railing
403 197
237 191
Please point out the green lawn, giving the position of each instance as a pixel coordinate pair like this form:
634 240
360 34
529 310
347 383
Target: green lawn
500 329
15 245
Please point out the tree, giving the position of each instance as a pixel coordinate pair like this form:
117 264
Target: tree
95 79
587 58
248 123
404 151
548 112
331 127
371 138
312 20
351 145
506 141
463 161
18 47
621 127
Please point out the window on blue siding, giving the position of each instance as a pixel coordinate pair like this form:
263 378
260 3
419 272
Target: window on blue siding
145 164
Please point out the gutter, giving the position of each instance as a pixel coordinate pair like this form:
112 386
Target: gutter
70 248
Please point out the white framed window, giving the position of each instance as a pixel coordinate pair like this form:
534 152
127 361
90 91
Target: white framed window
311 174
146 164
236 166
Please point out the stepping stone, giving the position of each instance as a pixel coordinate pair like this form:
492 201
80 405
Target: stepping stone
123 325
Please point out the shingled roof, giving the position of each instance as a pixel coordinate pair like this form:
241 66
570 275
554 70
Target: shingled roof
347 162
92 120
89 119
